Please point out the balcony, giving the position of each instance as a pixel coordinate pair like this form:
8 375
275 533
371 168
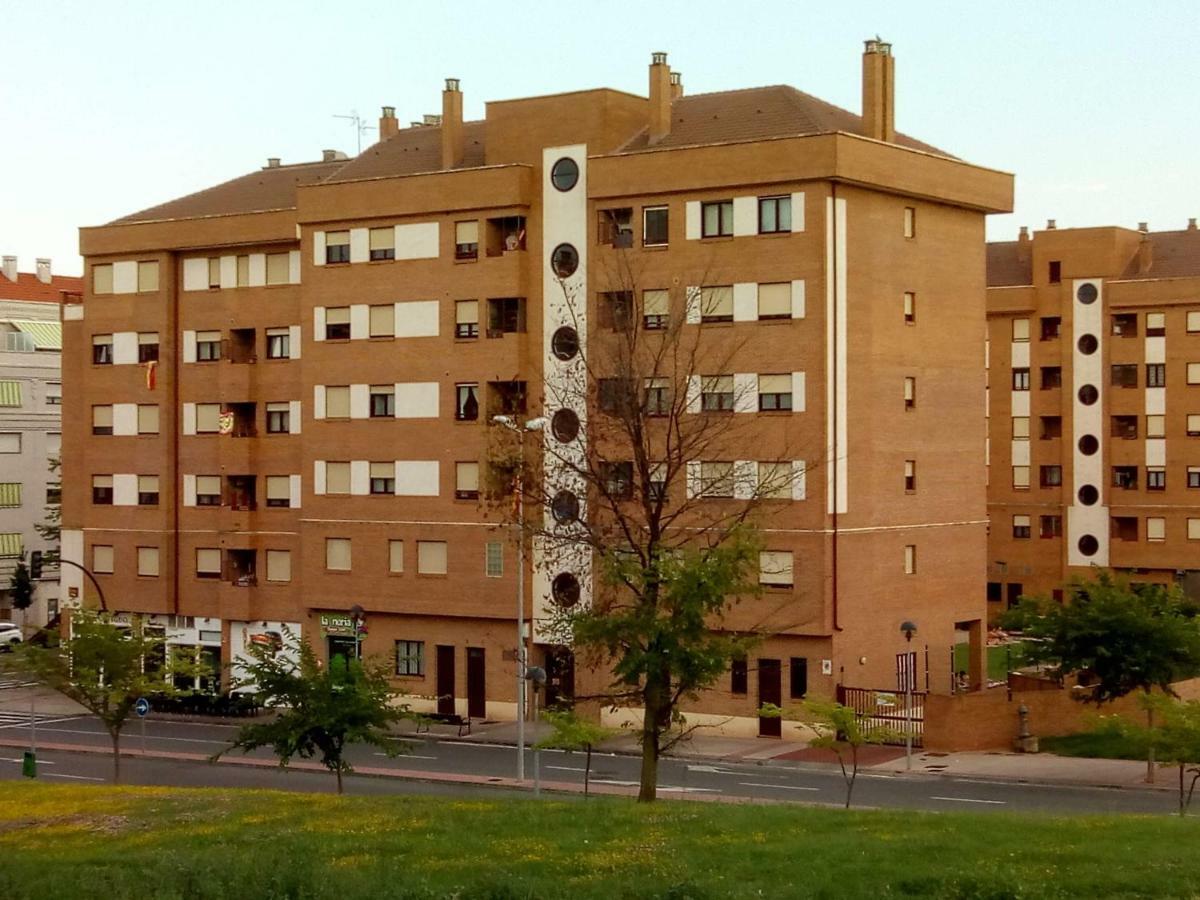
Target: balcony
240 568
506 398
241 491
503 235
241 347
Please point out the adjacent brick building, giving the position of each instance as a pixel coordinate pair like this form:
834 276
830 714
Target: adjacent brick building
280 387
1094 407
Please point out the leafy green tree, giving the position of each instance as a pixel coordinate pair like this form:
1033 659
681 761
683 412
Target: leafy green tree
1118 639
572 734
50 528
319 709
106 666
1175 738
21 588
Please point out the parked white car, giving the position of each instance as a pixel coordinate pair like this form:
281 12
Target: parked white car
10 635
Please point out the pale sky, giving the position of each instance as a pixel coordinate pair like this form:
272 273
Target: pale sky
107 108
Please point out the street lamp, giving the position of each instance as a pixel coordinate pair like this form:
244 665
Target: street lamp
532 425
536 676
908 629
358 617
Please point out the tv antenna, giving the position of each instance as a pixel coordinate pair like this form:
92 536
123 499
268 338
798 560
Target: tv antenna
360 125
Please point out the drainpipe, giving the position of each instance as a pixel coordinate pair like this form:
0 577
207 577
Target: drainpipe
836 449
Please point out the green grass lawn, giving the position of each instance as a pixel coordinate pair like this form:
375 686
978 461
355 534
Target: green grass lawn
112 843
998 659
1096 745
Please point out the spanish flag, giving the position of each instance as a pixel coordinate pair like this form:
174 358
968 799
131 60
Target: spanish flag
151 374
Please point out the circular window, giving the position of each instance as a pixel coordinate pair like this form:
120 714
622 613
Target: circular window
1088 495
564 175
1087 344
1088 545
564 260
565 343
1088 394
564 507
1088 445
565 589
565 425
1087 293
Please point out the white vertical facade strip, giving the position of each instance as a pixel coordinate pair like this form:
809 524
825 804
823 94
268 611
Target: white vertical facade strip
359 246
745 301
125 490
195 274
318 248
799 476
564 303
360 321
745 216
294 413
799 392
318 323
318 401
745 392
294 487
293 342
1087 471
70 548
360 401
797 213
228 272
692 220
258 269
360 477
189 346
189 418
189 490
125 277
318 476
798 300
745 479
1155 403
125 348
835 356
692 304
293 267
124 418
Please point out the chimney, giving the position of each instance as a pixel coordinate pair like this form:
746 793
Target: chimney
1191 225
272 162
660 97
676 85
430 119
8 265
1143 227
388 123
1024 234
43 271
878 91
1145 253
453 138
328 155
1051 224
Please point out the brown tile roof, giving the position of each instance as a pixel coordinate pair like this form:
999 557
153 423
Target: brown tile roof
1173 254
27 287
412 151
756 114
266 189
1007 265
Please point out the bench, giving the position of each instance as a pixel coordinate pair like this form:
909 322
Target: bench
426 719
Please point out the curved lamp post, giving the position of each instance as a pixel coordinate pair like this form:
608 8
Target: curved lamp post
908 629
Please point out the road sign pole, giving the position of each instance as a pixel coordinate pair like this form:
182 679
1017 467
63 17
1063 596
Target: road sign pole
29 763
143 721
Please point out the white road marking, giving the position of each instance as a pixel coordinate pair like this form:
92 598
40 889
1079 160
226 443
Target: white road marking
149 737
40 762
970 800
782 787
74 777
566 768
406 756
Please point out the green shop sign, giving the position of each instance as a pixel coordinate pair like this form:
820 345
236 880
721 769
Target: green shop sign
337 623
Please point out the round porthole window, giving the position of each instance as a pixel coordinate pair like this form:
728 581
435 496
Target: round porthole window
564 507
565 589
1088 445
564 175
565 343
1087 293
564 260
1088 495
1087 344
1088 394
1088 545
565 425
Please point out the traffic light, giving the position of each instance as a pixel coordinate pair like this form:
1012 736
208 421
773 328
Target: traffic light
35 565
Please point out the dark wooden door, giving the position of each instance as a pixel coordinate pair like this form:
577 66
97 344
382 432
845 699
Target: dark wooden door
560 676
445 680
770 690
476 684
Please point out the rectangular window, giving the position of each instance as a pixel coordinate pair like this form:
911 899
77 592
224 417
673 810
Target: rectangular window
278 268
910 308
1125 325
716 479
410 658
1156 426
774 215
506 315
716 219
716 393
1156 374
618 479
1156 479
910 392
1124 427
466 480
382 243
337 323
214 272
1156 324
337 246
1050 526
1020 379
279 491
102 490
383 401
147 418
1050 476
243 271
466 402
466 240
383 321
279 343
208 490
910 222
431 557
739 676
910 559
910 476
102 420
337 478
798 668
1193 321
395 557
102 279
147 276
337 554
1020 428
148 347
466 319
614 309
279 565
658 397
1193 424
1124 375
775 568
1193 373
716 304
1125 477
208 562
1051 377
1051 327
775 392
656 310
1054 275
147 486
493 562
1193 529
147 562
208 418
10 494
775 480
53 393
102 349
775 301
1020 478
278 418
1156 529
102 559
208 346
1020 330
1193 477
337 401
1022 527
383 478
655 221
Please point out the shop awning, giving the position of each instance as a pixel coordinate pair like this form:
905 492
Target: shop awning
10 393
46 335
11 544
10 494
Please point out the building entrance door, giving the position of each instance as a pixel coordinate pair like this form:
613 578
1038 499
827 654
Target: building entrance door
560 676
476 689
445 680
345 647
770 690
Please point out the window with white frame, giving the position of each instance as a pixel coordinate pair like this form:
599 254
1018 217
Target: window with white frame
716 393
716 304
656 309
410 659
337 246
383 478
774 214
383 401
102 419
655 222
337 323
147 490
493 564
775 301
1193 529
1020 330
1022 527
102 349
775 480
208 490
208 346
466 480
466 319
102 279
279 343
466 239
279 417
1156 529
716 218
716 479
1020 478
208 418
278 268
208 562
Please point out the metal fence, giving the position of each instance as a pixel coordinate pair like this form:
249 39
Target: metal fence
885 710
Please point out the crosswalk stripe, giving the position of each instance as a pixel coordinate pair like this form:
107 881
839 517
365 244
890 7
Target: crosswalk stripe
19 719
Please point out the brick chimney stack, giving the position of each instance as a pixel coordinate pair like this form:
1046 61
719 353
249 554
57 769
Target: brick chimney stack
388 123
453 138
660 97
878 91
676 85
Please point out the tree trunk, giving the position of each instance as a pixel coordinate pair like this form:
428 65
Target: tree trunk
587 772
1150 752
648 790
338 772
1182 808
853 775
116 742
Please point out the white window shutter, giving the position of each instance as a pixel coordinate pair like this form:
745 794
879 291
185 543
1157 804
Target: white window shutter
189 346
360 321
745 392
318 323
799 475
745 479
359 245
318 248
360 401
293 342
189 490
294 267
692 305
745 216
745 301
692 220
797 212
360 477
294 485
189 418
319 477
318 401
693 394
293 416
798 385
693 478
258 269
798 302
228 272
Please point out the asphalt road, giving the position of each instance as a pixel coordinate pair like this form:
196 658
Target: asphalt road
679 778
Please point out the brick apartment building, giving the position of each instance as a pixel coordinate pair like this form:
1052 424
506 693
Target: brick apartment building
280 388
1094 407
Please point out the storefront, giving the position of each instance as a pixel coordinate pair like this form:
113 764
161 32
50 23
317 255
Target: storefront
343 634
